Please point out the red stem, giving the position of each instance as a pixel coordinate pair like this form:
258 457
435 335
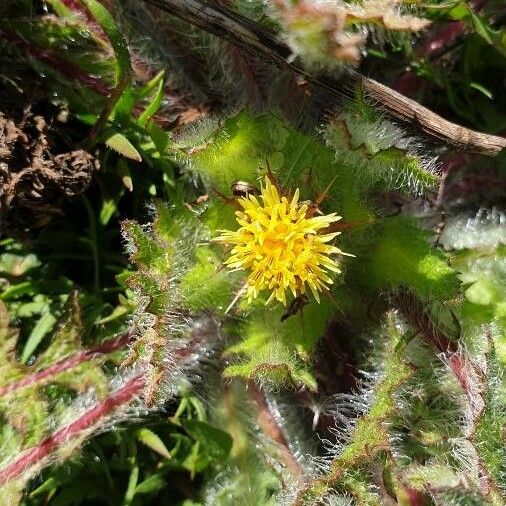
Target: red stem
120 397
465 372
416 315
68 363
270 426
462 368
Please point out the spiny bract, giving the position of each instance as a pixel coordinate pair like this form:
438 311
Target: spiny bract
281 245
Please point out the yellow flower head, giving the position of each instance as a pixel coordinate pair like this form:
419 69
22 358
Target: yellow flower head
281 246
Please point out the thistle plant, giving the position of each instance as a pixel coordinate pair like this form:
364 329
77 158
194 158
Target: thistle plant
273 292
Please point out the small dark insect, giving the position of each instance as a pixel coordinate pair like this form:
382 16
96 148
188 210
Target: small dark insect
243 189
313 207
295 306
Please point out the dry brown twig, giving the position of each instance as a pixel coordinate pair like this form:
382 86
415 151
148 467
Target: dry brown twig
255 39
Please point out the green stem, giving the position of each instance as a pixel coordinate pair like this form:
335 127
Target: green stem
369 436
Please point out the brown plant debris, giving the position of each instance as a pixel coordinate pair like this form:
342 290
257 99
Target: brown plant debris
35 182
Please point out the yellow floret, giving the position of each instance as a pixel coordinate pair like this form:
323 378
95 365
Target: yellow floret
281 247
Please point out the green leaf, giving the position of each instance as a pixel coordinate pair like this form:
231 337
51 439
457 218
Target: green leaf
132 485
71 494
124 106
109 207
50 484
377 53
482 89
117 313
115 35
152 484
60 8
37 307
151 85
155 103
216 443
483 292
481 28
401 255
17 265
153 441
19 289
119 143
41 329
67 337
238 149
460 11
207 285
160 137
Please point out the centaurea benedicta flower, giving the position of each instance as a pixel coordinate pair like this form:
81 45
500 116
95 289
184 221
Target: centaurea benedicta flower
281 245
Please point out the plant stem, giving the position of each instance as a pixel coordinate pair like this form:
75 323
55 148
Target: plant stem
466 372
369 436
257 40
123 396
270 426
65 364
